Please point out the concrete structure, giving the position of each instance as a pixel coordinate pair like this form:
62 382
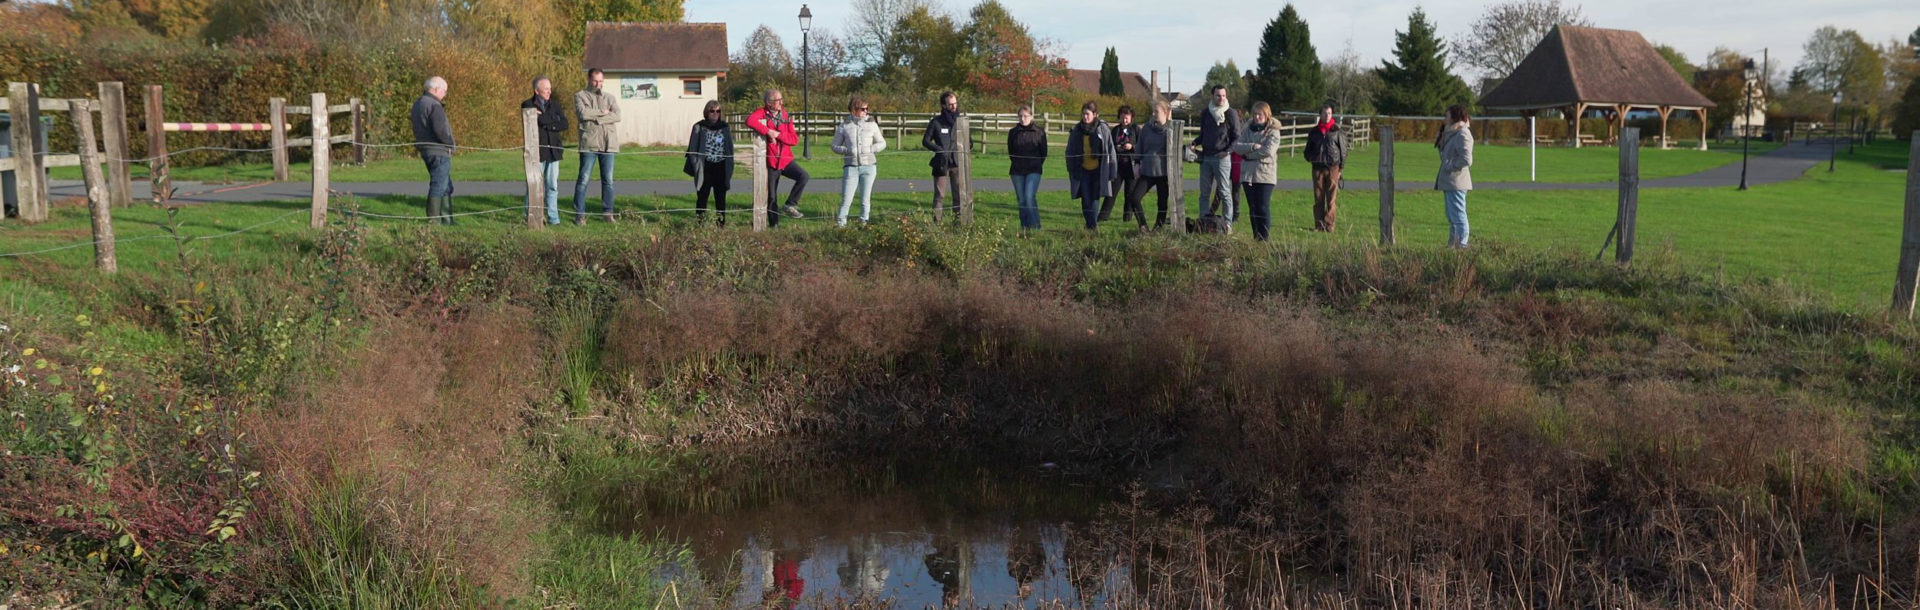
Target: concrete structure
662 73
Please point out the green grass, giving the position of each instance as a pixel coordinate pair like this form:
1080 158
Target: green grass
1835 233
1413 160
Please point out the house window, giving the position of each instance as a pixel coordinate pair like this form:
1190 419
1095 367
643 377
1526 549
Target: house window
690 87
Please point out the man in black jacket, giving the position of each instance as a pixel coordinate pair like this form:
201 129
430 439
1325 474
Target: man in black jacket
1327 151
552 123
1219 131
946 161
433 139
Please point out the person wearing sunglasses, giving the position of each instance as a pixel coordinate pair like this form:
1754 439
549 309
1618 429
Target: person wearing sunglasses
858 140
710 162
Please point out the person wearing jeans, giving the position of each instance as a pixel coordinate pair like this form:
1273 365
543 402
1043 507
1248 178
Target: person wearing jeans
433 139
859 140
552 122
598 112
1219 131
1259 144
1091 162
775 126
1456 178
1027 153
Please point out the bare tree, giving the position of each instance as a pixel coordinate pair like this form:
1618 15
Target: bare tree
763 60
825 55
872 25
1841 61
1503 36
1351 82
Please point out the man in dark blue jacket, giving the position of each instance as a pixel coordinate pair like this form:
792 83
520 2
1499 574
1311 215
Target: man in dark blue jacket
1219 131
433 139
552 123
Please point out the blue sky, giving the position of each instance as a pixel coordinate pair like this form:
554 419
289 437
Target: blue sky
1151 35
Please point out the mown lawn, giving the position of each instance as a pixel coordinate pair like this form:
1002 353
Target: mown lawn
1835 233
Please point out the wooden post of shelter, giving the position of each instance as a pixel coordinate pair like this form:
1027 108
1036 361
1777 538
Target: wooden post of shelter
963 191
1386 185
113 131
157 170
760 191
1665 113
97 204
1629 194
24 105
1176 181
322 161
357 109
1702 112
277 125
530 161
1909 277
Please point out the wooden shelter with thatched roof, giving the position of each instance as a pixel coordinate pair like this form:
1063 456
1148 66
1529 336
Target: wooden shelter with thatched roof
1576 69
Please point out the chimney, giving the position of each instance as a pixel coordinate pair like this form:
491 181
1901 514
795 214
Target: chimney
1153 83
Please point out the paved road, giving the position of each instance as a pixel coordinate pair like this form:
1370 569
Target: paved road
1781 165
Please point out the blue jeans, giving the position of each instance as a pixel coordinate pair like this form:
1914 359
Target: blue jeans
439 176
1216 180
1457 217
858 178
1090 184
1026 189
587 160
550 171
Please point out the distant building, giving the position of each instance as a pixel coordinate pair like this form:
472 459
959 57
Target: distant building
1744 122
662 73
1088 82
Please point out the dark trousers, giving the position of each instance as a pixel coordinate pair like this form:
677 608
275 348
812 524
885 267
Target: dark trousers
946 185
1122 184
1259 208
1090 185
1136 198
799 177
713 182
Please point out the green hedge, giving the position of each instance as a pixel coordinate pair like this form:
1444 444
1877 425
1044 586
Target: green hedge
233 84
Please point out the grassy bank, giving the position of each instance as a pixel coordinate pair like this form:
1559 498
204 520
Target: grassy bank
385 415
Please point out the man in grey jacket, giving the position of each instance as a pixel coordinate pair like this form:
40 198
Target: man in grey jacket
433 139
599 111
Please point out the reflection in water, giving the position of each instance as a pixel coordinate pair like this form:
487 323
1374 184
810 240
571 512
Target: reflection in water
1026 561
864 574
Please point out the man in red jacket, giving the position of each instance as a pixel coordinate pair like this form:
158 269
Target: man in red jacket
773 125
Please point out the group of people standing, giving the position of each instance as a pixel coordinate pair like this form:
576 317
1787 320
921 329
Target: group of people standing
1123 161
597 111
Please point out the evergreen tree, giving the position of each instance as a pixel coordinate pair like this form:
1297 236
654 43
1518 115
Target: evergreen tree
1289 75
1906 116
1419 84
1110 75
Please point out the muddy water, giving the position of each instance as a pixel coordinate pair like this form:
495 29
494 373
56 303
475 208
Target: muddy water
913 539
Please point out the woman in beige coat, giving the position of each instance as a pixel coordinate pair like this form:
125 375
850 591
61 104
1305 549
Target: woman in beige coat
1456 177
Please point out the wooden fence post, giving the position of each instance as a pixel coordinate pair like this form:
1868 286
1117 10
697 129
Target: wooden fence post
1903 285
759 164
113 130
322 161
277 121
530 160
359 127
27 162
157 165
97 203
963 191
1386 185
1176 178
1629 193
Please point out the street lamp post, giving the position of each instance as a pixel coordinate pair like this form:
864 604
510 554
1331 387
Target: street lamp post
1833 144
806 105
1746 127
